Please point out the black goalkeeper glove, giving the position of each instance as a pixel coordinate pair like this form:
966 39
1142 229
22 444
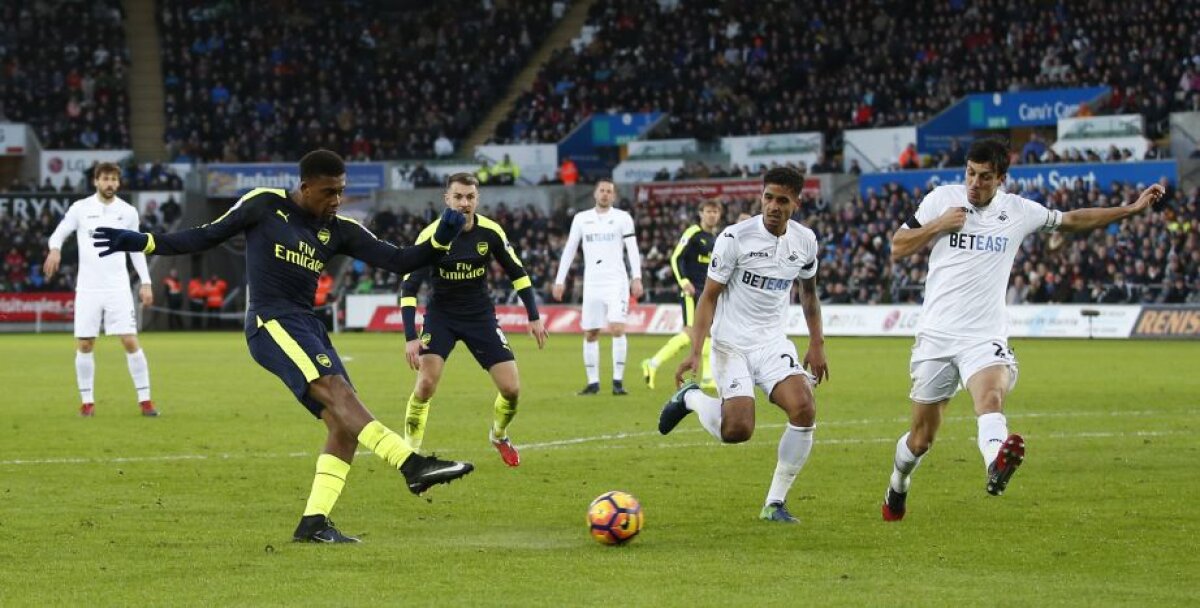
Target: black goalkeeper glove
451 224
112 240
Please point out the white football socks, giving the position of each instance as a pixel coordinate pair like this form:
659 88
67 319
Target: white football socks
708 410
794 448
619 347
903 466
139 370
993 430
85 376
591 361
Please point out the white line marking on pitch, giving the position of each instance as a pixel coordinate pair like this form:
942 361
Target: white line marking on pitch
562 443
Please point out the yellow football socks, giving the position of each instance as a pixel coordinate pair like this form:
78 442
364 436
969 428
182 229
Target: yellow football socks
677 343
327 485
504 410
414 421
385 443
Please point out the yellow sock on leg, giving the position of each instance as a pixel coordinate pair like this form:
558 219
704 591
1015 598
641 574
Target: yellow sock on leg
503 413
414 421
327 484
385 443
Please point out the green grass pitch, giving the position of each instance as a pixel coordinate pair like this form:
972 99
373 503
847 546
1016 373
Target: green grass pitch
197 507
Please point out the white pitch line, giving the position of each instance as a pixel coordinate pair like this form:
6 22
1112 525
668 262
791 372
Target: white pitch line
564 443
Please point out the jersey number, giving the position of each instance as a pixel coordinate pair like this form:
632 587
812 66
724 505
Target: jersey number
791 360
1003 352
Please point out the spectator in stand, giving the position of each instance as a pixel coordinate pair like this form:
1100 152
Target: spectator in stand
214 300
506 172
909 158
174 292
568 173
197 297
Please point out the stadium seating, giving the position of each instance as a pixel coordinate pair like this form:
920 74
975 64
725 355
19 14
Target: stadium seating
64 72
777 66
249 81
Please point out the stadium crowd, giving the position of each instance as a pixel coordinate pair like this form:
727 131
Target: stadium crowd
777 66
1145 259
64 72
371 80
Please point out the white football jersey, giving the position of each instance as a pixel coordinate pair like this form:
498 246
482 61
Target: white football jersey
606 238
969 269
758 270
100 273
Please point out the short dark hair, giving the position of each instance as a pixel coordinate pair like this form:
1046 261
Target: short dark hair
321 163
464 178
710 202
103 168
991 150
787 177
606 180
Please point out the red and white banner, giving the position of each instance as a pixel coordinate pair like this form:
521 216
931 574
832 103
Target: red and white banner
25 307
1028 321
699 190
560 319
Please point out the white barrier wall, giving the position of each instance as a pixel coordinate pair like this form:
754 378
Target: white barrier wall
1027 321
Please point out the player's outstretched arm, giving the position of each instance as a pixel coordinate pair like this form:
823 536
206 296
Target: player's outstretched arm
245 213
913 237
810 302
1083 220
361 244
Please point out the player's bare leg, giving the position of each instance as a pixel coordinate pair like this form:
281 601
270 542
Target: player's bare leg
910 448
139 371
591 361
417 410
620 347
508 384
1002 452
85 375
794 396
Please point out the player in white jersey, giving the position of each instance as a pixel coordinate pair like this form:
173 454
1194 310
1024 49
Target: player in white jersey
745 304
607 236
962 338
102 286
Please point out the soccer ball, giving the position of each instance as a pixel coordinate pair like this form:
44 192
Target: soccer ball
614 518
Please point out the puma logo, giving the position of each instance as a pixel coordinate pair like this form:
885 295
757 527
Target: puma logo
281 214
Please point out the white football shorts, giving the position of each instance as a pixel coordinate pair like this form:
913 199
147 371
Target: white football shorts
114 307
940 367
737 373
604 304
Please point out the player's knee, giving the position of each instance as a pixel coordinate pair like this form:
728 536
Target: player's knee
86 346
130 343
919 444
804 415
736 431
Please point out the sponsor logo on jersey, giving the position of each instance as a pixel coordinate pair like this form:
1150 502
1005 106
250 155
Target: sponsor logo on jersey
767 283
323 236
281 214
759 254
481 247
978 242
